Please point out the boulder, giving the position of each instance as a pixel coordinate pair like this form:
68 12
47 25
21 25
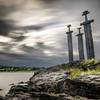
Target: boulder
54 84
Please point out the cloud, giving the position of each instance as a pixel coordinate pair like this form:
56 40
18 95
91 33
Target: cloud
37 27
35 30
49 1
7 29
13 55
6 26
6 10
27 48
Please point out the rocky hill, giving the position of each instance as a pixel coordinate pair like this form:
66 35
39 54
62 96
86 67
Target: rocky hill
55 83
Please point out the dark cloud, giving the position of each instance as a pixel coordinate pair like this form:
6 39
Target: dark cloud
18 39
48 1
17 36
39 47
37 27
5 10
6 26
6 46
31 27
13 55
27 48
42 46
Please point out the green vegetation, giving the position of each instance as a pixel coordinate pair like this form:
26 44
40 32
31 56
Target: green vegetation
75 72
83 68
17 69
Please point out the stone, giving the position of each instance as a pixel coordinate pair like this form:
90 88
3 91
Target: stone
54 84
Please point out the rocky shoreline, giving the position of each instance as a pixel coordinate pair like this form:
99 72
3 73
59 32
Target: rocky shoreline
54 84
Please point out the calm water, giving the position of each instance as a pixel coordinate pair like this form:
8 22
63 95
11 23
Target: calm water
8 78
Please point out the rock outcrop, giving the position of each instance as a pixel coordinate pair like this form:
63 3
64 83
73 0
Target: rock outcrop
54 84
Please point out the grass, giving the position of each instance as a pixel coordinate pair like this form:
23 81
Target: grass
76 72
77 69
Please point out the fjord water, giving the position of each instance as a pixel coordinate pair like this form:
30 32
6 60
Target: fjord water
8 78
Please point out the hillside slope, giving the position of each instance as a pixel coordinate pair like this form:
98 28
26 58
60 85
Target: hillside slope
59 83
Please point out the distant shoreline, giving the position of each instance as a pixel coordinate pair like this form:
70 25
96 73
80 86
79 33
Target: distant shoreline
18 69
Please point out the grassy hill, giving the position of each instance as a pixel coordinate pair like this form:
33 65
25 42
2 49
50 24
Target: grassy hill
79 68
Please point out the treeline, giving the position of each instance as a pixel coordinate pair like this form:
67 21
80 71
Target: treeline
16 69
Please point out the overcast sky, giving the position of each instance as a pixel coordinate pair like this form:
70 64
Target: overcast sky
33 32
